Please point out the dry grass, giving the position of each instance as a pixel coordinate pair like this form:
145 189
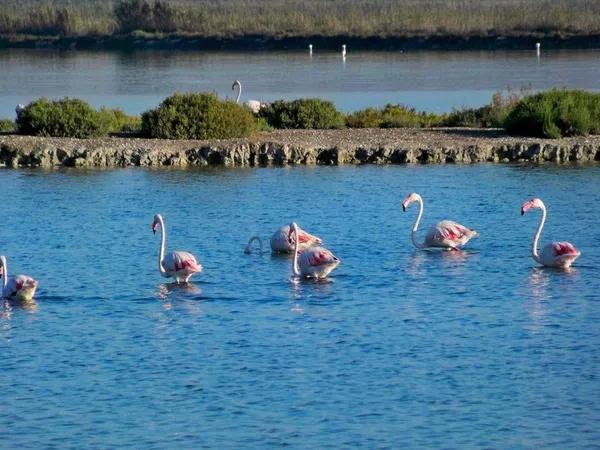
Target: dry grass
279 18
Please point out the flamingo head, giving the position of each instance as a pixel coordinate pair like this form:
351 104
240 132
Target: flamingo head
2 263
156 223
409 199
235 83
293 231
532 203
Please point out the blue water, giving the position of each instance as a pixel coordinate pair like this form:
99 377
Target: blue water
431 81
399 349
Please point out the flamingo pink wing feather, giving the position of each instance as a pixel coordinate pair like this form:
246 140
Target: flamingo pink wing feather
564 248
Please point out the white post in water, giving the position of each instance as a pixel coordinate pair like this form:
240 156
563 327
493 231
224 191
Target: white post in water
537 49
344 51
310 49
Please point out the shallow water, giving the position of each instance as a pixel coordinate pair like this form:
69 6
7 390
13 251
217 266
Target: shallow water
432 81
400 348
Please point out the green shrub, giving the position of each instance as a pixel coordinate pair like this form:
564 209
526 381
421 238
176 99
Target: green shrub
556 113
7 125
305 113
116 121
197 116
488 116
366 118
393 116
68 117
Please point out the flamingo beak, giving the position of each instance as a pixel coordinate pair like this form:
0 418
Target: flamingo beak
522 211
403 206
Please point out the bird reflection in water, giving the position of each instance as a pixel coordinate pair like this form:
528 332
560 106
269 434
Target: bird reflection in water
8 306
307 289
179 294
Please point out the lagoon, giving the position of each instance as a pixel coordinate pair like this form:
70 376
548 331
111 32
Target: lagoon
400 348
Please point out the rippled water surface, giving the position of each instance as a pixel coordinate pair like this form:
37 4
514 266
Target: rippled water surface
433 81
399 349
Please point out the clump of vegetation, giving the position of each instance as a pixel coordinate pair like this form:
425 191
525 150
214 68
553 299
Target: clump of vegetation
133 15
116 121
488 116
197 116
7 125
365 118
393 116
556 113
305 113
68 117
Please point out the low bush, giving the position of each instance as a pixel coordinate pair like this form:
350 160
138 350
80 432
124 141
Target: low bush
305 113
365 118
393 116
7 125
68 117
488 116
116 121
197 116
556 113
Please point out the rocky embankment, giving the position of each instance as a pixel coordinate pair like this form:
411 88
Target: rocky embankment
283 147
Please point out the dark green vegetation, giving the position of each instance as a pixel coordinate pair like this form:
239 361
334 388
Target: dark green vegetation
550 114
393 116
555 114
7 125
197 116
305 113
280 19
70 117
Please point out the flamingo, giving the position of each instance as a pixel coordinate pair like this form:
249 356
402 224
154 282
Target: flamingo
253 105
281 243
21 287
180 265
446 234
248 248
554 254
313 262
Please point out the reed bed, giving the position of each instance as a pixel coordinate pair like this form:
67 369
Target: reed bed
286 18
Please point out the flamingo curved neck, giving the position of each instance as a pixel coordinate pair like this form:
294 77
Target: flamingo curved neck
249 246
161 250
4 274
416 225
239 85
295 268
538 233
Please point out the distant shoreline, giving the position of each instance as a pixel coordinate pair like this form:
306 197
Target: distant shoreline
301 147
320 43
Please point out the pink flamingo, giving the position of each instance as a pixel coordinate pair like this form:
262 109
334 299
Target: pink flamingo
21 287
280 241
445 234
312 262
554 254
180 265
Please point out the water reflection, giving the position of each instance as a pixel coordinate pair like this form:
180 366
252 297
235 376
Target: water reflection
179 294
8 306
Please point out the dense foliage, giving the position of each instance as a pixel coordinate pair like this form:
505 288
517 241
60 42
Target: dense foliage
556 113
306 113
393 116
68 117
197 116
488 116
7 125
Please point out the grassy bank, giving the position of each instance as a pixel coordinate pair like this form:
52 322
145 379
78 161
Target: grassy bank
278 19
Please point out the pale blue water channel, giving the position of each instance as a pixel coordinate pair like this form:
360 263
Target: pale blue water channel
399 349
432 81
